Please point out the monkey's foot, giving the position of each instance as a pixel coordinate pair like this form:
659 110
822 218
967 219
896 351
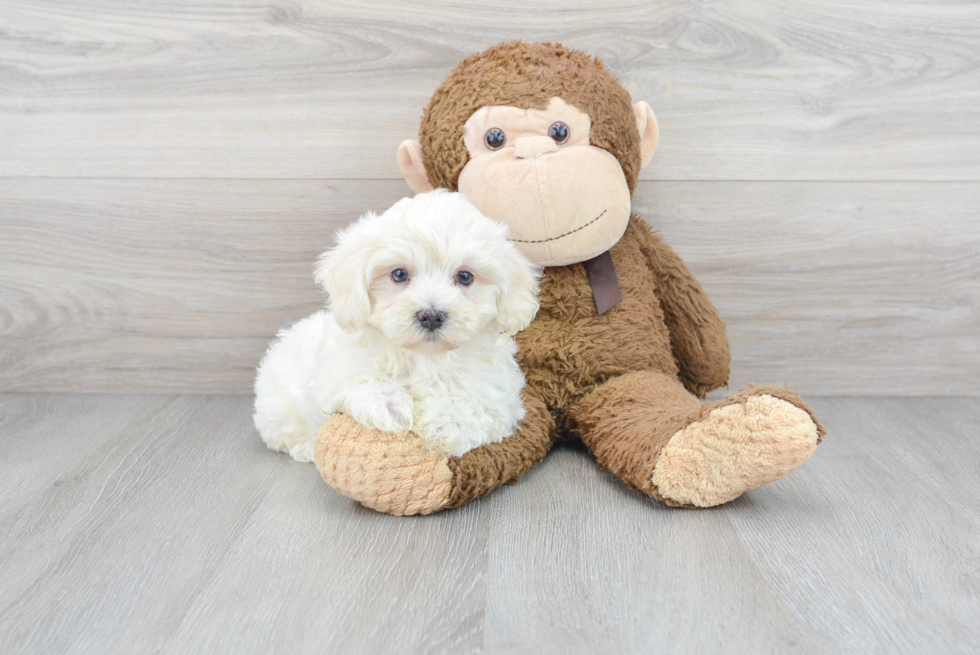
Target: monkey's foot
743 442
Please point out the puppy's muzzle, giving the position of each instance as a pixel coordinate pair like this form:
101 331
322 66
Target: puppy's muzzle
431 320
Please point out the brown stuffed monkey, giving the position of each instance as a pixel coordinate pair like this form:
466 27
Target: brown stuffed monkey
626 343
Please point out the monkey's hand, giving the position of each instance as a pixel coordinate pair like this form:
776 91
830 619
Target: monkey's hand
392 472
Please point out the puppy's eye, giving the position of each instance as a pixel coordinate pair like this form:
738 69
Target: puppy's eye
399 275
465 278
559 132
495 138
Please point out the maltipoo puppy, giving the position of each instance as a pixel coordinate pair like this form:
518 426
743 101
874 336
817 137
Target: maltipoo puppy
423 302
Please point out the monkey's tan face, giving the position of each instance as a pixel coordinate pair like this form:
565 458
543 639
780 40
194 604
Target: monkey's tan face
564 200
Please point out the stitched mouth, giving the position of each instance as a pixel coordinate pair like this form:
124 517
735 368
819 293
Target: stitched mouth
560 236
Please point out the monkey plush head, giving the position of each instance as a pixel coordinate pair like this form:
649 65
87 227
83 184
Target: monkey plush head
542 138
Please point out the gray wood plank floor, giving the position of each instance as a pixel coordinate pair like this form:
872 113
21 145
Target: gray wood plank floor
138 524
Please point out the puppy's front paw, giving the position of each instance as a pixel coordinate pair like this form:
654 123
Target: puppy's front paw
449 428
443 433
303 452
388 409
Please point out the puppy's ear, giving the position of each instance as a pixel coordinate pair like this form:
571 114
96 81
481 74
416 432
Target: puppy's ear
342 272
517 297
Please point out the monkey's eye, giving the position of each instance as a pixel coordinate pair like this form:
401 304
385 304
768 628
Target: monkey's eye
465 278
559 132
495 138
399 275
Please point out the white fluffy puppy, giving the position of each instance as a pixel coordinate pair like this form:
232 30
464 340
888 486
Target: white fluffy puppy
423 302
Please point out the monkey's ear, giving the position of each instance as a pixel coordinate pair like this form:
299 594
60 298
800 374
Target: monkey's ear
646 122
410 163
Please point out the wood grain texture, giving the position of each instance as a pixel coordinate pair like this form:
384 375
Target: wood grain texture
161 524
164 285
834 288
178 285
811 90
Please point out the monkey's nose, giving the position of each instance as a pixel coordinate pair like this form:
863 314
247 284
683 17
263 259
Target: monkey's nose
531 147
430 319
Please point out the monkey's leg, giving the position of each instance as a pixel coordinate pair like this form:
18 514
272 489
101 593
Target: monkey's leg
660 439
395 473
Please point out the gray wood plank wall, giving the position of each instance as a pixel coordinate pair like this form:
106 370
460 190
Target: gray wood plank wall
169 172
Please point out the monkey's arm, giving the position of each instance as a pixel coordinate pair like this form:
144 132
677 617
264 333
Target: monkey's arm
395 473
697 333
486 468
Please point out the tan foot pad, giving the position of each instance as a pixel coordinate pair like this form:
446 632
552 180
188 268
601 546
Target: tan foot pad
733 449
390 472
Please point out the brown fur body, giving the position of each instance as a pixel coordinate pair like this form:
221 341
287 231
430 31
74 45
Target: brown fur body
569 350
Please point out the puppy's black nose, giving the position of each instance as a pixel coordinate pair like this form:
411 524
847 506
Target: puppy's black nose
431 319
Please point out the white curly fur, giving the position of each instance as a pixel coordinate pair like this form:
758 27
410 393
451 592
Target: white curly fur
367 355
